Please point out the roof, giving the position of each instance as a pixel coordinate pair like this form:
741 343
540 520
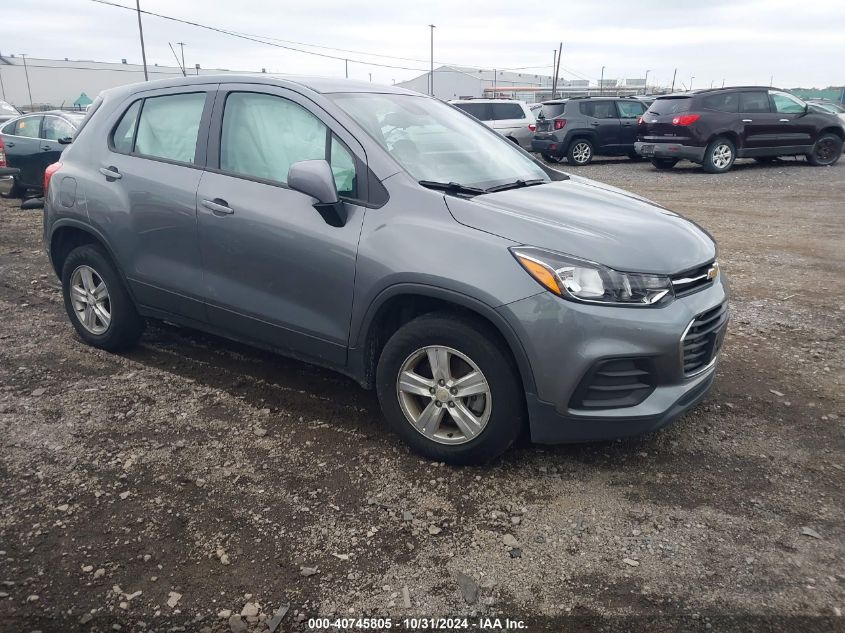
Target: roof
590 97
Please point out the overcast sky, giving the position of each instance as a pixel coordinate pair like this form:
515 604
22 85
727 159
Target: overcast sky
738 41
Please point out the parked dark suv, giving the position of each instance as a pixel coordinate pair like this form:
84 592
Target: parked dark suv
715 127
583 127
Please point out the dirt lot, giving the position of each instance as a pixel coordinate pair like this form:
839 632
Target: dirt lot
243 481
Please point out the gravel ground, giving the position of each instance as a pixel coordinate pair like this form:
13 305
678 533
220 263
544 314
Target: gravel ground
195 484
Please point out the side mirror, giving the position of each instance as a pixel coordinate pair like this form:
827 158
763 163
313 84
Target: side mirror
67 140
315 178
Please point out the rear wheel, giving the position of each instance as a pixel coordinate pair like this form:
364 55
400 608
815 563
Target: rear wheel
98 304
448 389
719 156
580 152
551 159
664 163
826 151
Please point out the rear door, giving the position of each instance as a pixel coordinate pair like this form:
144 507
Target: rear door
630 111
760 125
275 270
512 120
23 149
603 118
480 111
794 127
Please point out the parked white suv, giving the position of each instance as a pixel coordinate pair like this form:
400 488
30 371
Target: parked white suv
511 119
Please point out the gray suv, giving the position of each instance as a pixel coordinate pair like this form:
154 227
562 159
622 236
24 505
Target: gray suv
374 231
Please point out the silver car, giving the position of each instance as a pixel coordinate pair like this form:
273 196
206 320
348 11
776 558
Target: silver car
512 119
381 233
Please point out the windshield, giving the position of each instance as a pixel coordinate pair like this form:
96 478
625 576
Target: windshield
436 142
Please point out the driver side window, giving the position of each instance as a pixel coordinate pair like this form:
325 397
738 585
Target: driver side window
786 104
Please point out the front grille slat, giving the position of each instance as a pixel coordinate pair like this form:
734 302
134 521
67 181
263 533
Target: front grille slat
615 383
691 281
700 343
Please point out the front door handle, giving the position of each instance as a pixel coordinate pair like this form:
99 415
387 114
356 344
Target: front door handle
111 173
46 148
746 120
784 120
9 144
595 123
218 206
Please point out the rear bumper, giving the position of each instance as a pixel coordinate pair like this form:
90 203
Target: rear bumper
6 184
670 150
547 146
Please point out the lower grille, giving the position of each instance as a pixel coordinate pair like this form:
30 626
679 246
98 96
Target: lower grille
702 339
614 383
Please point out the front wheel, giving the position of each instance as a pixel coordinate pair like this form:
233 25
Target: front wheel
826 151
449 391
580 152
719 156
664 163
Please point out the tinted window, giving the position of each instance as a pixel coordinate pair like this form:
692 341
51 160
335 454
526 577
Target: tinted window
169 125
753 102
670 105
503 111
786 104
9 128
722 101
552 110
630 109
599 109
264 135
478 110
56 128
124 133
29 127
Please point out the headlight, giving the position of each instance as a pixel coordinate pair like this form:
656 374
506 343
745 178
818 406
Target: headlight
581 280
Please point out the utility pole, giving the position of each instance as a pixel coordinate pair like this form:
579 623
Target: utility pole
554 71
645 84
346 63
675 74
557 67
141 34
601 82
182 46
182 63
690 81
431 74
371 77
26 72
2 87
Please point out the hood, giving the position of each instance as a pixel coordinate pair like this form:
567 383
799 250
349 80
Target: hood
586 219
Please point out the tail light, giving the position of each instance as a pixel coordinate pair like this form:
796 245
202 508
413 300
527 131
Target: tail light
48 174
532 127
560 124
2 154
686 119
639 120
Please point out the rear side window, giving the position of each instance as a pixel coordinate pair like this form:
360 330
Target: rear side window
28 127
124 134
504 111
721 101
630 109
599 109
552 110
753 102
9 128
263 135
478 110
671 105
168 127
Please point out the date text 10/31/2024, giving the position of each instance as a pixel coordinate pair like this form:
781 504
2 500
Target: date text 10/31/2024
417 624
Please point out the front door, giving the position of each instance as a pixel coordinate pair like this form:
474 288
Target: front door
602 117
629 111
760 126
274 270
24 148
794 127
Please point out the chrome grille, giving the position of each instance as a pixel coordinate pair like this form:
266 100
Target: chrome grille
693 280
702 339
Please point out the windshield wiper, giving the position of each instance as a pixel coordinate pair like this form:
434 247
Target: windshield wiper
516 185
452 187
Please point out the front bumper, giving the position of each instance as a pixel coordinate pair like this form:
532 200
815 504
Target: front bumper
669 150
565 340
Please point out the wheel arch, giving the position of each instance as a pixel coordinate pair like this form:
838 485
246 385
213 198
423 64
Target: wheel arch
68 234
400 303
839 131
731 135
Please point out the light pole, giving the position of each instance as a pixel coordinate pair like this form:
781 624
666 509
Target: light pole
346 61
182 47
690 81
674 75
141 34
26 72
431 73
601 82
645 85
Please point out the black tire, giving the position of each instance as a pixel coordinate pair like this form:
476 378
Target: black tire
635 157
826 151
719 156
664 163
580 152
551 159
126 325
478 342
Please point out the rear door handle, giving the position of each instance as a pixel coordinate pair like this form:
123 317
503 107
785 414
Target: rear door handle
784 120
595 123
746 120
218 206
46 148
111 172
9 144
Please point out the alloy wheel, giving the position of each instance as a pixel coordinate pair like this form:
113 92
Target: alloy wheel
825 150
444 395
90 298
581 153
722 155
